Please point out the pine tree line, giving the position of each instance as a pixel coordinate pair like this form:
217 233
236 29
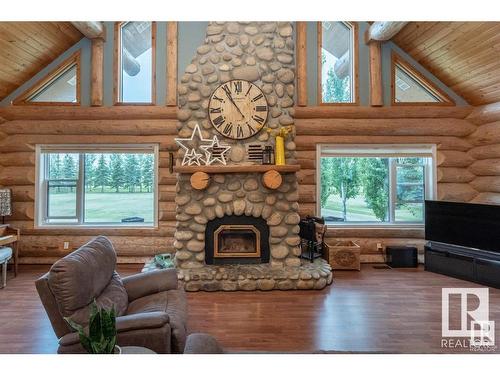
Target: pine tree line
104 172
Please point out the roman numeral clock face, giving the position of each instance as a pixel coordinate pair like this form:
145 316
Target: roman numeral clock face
238 109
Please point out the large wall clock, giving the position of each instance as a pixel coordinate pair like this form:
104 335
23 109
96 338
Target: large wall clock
238 109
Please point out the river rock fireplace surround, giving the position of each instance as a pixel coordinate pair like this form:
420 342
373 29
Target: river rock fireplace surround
236 233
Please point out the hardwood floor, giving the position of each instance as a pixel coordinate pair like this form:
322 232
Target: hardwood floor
378 310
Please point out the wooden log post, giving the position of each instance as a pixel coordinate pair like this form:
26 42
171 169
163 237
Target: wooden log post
96 32
376 91
301 56
272 179
97 72
171 99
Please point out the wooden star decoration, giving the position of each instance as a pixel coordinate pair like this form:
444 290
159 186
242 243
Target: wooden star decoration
215 152
190 155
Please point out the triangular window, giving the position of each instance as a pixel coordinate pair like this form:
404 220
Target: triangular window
410 87
61 86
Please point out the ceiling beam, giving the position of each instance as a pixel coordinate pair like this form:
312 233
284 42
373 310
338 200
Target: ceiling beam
90 29
382 31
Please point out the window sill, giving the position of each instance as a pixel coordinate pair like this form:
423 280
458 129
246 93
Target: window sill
343 104
375 226
94 227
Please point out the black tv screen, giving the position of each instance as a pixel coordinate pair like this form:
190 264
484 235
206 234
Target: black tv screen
463 224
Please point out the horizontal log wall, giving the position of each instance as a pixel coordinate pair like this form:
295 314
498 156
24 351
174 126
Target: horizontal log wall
24 129
460 143
486 152
446 127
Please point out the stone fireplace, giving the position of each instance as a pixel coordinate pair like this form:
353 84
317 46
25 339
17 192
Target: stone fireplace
238 234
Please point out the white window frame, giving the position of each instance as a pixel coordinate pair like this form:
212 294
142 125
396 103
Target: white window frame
381 150
41 184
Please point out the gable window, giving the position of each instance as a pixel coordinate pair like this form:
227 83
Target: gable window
60 87
376 184
337 61
96 185
135 57
410 87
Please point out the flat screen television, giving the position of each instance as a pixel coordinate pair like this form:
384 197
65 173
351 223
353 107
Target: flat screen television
463 224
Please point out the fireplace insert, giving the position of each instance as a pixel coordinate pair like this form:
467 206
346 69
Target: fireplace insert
236 239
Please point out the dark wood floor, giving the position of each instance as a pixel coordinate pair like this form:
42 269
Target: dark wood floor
372 310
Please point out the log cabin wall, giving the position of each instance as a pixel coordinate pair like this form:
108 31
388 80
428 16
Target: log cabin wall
466 156
27 127
486 154
447 127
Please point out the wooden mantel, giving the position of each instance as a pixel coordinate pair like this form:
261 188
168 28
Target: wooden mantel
257 168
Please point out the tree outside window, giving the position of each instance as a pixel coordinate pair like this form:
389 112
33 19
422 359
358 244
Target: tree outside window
373 189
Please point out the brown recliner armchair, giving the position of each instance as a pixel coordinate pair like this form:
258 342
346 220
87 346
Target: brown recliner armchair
151 311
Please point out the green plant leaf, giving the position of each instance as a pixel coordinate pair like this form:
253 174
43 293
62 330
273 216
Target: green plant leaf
101 338
86 343
95 330
77 327
109 323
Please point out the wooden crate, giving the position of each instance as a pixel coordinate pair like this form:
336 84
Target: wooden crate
343 255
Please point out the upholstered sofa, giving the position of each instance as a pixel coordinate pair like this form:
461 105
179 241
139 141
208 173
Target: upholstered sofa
151 311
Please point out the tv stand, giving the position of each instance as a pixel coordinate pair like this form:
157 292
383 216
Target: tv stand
479 266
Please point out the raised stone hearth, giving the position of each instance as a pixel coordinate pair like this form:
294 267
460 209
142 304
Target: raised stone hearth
263 53
309 275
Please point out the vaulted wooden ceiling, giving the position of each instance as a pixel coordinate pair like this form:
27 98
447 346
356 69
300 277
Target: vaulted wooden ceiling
463 55
27 47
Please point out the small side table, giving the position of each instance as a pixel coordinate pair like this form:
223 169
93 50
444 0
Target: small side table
9 237
136 350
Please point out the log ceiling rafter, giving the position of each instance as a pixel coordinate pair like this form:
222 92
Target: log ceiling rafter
91 29
382 31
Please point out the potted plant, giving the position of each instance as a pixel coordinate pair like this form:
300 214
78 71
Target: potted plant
101 337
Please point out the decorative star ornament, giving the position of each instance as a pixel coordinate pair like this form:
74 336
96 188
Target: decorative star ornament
215 152
190 155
